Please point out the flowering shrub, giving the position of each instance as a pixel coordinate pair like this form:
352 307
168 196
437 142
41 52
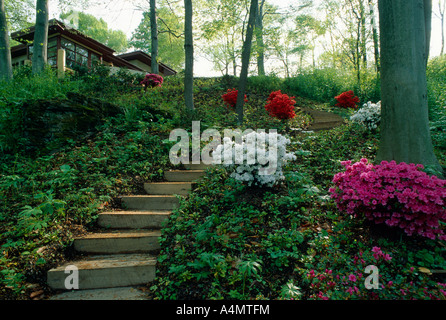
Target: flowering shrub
344 277
230 98
152 80
399 195
369 115
347 100
281 106
257 160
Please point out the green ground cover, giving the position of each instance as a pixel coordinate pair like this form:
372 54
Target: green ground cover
226 241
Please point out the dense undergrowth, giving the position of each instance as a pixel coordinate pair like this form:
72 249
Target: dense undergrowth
226 240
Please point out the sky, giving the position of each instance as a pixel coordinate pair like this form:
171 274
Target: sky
123 15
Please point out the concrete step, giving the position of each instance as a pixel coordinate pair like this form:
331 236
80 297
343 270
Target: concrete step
150 202
200 166
120 293
133 241
168 188
106 271
183 175
325 125
132 219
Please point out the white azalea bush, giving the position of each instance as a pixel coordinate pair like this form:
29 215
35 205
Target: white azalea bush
369 115
258 159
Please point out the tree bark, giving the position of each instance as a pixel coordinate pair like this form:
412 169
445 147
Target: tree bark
5 51
189 52
40 45
442 9
154 37
375 35
246 55
405 134
259 40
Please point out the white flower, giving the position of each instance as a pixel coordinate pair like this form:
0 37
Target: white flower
369 115
257 160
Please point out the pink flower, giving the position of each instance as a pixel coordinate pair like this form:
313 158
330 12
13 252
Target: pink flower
352 277
400 195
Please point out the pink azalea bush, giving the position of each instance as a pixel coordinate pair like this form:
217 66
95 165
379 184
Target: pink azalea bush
400 195
343 277
152 80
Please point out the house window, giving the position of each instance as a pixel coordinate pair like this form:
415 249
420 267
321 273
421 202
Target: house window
52 52
75 53
95 59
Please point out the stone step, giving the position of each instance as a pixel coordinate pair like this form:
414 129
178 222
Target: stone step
168 188
150 202
133 241
183 175
106 271
325 125
132 219
200 166
116 293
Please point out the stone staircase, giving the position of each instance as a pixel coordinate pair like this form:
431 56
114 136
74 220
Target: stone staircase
323 120
122 255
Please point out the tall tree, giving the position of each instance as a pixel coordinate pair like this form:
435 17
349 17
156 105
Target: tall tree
189 51
5 52
374 34
441 15
98 29
259 40
40 45
246 55
154 34
170 36
223 27
405 27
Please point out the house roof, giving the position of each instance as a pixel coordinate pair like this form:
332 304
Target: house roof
146 59
108 54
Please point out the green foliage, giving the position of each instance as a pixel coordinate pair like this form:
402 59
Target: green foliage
225 241
98 29
170 39
322 85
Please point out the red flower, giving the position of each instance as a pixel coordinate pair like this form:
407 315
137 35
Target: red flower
230 98
152 80
347 100
281 106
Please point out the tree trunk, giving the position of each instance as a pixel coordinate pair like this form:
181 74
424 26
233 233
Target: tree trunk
189 51
375 35
154 36
246 55
259 40
40 45
5 52
405 135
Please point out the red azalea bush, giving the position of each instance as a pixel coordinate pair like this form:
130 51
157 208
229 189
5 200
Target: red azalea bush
400 195
347 100
281 106
230 98
152 80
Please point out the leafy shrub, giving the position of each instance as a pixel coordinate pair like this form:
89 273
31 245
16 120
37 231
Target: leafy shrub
320 85
256 159
347 100
230 98
399 195
152 80
280 106
343 276
369 115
